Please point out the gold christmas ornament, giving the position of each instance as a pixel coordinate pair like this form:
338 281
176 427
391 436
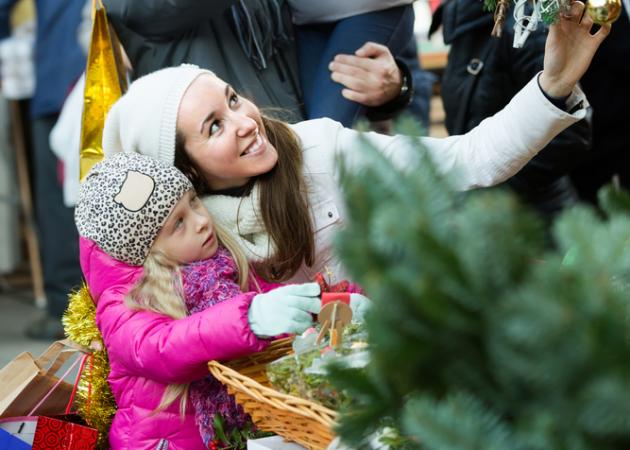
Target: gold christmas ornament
603 12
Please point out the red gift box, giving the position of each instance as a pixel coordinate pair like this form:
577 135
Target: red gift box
328 297
64 432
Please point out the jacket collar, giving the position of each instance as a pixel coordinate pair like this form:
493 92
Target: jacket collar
462 16
102 272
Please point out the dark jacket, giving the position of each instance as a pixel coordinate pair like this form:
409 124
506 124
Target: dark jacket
606 84
250 44
504 70
259 61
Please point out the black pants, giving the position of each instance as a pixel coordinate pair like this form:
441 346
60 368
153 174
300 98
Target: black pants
57 234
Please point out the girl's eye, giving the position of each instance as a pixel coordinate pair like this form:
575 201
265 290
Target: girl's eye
194 201
214 127
179 223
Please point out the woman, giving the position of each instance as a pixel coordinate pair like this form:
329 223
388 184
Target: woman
276 186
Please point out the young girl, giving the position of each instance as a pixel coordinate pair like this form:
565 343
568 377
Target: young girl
171 294
276 187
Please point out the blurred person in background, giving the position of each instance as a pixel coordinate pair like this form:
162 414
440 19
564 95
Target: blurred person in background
607 85
351 34
482 75
59 62
18 82
249 44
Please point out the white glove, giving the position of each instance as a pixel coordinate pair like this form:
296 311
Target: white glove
360 305
284 310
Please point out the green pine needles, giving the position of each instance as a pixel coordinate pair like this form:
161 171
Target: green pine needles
490 5
482 336
549 9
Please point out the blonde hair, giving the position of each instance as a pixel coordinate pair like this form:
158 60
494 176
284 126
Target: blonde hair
160 290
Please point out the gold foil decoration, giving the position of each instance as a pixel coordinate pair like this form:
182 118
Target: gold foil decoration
94 400
105 82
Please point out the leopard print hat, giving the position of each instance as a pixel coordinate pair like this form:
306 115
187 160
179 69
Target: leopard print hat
124 201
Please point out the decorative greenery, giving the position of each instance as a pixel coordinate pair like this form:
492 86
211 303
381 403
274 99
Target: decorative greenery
235 439
287 375
482 335
296 374
549 11
490 5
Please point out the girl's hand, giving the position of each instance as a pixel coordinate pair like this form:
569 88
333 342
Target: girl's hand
569 50
284 310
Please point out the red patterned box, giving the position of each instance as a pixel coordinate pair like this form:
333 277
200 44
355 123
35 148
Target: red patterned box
64 432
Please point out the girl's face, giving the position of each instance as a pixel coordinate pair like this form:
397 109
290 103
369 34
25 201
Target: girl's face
223 133
187 234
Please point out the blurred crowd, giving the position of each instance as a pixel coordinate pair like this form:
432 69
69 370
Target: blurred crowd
299 59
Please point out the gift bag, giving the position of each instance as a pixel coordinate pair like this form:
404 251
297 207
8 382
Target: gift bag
25 381
20 429
64 432
10 442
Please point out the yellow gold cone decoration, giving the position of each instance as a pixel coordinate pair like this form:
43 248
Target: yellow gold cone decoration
105 82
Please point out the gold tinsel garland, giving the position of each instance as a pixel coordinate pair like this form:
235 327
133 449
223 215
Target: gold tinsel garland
79 322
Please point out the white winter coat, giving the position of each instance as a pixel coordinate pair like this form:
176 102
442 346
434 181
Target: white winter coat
487 155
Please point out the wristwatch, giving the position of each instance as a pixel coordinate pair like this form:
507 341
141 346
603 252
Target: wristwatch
404 86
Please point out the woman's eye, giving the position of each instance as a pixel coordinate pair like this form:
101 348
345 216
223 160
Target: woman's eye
233 99
214 127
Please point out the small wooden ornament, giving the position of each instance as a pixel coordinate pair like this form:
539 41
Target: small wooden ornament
500 14
333 316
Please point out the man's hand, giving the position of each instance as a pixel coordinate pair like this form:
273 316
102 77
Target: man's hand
370 76
569 50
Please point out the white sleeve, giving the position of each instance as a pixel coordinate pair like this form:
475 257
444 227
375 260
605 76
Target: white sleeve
488 154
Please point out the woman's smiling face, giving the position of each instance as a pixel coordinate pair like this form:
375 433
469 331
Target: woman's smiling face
223 134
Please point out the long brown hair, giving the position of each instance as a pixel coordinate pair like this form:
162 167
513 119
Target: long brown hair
283 201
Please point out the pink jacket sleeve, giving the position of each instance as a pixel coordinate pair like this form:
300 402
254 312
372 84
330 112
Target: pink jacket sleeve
174 351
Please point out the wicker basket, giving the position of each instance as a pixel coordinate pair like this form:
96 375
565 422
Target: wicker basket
297 420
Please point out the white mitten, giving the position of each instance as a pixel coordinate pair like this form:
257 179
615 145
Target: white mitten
360 305
284 310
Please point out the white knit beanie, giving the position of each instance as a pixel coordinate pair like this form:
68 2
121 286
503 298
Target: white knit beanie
124 202
144 120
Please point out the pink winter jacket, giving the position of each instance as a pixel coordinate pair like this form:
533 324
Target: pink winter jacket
147 351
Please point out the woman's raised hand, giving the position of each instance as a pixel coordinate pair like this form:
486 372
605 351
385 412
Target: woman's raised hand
569 50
